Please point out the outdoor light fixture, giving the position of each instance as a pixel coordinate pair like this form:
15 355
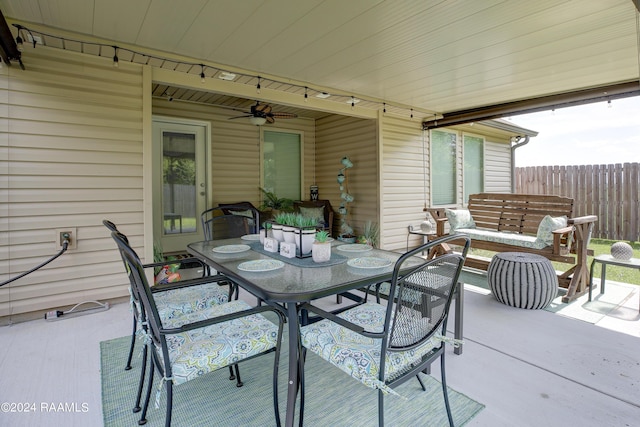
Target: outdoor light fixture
258 121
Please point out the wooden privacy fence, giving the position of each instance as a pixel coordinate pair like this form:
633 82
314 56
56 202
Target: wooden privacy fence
612 192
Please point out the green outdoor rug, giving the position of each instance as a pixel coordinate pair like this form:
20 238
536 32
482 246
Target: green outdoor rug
332 397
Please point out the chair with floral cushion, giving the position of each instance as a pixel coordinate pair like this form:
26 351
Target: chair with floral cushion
186 347
383 346
173 300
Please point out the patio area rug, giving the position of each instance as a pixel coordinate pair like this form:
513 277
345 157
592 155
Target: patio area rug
332 397
608 304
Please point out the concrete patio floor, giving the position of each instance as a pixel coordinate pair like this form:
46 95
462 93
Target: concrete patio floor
529 367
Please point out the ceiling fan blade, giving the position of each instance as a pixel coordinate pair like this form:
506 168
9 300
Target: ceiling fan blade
270 119
262 108
284 115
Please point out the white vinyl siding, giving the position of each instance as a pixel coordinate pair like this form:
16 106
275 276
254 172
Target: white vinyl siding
404 156
71 156
497 167
339 136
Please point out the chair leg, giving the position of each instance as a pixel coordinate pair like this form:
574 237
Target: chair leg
276 405
143 372
239 382
380 408
167 421
133 343
421 383
143 416
444 390
232 375
302 352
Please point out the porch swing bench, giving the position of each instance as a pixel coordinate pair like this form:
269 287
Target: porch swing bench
531 223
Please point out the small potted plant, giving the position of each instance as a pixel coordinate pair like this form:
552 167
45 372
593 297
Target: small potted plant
276 228
274 203
370 235
288 221
321 250
305 233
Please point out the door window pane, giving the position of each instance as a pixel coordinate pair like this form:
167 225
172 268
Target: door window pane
473 165
443 168
281 164
179 182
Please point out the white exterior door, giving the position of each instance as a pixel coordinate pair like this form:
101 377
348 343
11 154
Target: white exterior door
179 182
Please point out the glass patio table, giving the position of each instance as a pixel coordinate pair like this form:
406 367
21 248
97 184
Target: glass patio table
297 281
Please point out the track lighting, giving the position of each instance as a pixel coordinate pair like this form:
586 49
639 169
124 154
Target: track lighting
221 73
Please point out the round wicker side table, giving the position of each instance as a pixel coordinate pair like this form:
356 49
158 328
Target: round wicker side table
522 280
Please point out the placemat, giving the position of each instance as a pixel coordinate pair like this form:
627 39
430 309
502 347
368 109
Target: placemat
300 262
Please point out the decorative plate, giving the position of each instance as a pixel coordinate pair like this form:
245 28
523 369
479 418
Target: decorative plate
231 249
260 265
355 247
369 262
251 237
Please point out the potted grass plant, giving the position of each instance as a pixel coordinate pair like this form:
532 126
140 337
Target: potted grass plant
305 233
321 249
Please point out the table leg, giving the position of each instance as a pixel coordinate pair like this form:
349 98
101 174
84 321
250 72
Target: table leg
593 263
292 383
603 277
457 332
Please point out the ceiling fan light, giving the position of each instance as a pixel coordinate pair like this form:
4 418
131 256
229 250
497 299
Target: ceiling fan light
258 121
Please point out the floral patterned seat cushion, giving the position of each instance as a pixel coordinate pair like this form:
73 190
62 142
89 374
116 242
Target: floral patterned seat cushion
357 355
177 302
197 352
186 300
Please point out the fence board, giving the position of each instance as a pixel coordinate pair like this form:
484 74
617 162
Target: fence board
610 191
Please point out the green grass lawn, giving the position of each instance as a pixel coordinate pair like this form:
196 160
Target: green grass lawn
599 247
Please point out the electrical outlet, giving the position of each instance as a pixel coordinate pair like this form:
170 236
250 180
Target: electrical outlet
69 233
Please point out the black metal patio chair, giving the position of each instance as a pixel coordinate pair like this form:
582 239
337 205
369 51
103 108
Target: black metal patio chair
389 344
173 299
186 347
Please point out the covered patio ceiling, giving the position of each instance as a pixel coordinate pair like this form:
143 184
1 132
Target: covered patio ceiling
442 57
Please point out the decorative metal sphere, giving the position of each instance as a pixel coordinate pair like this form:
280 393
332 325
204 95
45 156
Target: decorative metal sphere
621 250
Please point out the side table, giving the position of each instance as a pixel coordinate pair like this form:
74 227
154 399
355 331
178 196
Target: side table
417 231
609 260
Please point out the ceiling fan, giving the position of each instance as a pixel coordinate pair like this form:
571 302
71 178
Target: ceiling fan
261 114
